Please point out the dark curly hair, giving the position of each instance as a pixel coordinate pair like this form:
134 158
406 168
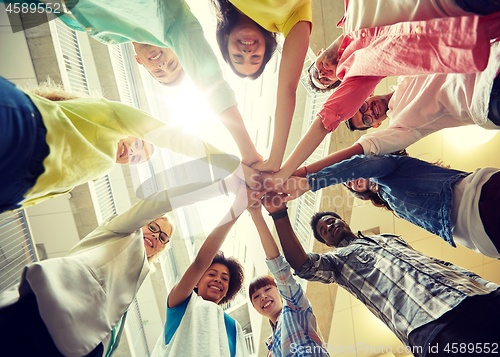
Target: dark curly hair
236 275
314 222
227 17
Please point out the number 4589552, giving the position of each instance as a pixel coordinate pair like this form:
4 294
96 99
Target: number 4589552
32 8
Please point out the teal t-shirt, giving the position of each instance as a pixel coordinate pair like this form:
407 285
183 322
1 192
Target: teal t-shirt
174 318
163 23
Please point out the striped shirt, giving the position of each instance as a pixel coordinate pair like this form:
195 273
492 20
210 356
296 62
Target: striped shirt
404 288
296 332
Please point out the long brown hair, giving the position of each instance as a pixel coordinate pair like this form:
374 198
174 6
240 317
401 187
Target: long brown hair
372 196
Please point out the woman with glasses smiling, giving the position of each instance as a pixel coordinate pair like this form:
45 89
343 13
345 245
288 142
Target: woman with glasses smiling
73 305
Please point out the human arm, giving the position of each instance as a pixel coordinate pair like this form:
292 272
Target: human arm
394 138
233 121
470 274
292 60
334 158
295 187
266 238
293 250
187 40
210 247
302 151
342 105
359 166
288 287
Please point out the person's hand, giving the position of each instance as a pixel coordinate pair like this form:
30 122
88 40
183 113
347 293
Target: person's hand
251 177
266 166
252 160
300 172
294 187
272 182
245 198
255 210
274 202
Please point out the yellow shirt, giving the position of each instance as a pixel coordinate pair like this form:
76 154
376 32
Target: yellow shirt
276 15
83 136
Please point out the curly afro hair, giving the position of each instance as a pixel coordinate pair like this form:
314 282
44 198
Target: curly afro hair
236 275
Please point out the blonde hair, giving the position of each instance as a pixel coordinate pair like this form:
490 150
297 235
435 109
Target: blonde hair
155 256
53 91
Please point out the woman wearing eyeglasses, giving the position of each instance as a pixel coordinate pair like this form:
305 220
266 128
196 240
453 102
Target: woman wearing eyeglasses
73 305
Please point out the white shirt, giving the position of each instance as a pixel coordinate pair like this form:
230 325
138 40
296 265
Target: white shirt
372 13
422 105
466 224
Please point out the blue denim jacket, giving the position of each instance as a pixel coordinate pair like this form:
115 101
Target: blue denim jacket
416 190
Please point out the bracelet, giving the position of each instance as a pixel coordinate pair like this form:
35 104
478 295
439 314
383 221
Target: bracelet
305 169
279 214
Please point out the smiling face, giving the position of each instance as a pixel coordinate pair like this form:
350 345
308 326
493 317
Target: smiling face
214 283
372 113
152 242
333 230
327 61
161 62
360 185
132 150
246 47
267 301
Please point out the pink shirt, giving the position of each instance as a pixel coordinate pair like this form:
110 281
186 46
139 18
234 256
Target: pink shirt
366 56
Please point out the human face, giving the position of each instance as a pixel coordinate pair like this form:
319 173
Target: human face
372 113
267 301
332 230
316 77
328 60
132 150
152 241
214 283
246 47
360 185
161 62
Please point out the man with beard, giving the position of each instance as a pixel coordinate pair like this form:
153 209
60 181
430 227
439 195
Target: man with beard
429 304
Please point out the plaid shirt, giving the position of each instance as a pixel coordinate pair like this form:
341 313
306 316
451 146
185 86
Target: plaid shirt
296 332
404 288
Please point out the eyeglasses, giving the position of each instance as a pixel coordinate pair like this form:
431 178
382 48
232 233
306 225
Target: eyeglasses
320 82
366 118
162 236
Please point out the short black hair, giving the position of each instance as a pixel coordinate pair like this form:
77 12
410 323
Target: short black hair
236 275
314 222
351 127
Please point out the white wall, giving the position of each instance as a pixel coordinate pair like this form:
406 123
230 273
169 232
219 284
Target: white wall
15 60
52 224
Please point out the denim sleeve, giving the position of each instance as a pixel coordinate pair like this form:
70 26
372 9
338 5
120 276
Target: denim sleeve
359 166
